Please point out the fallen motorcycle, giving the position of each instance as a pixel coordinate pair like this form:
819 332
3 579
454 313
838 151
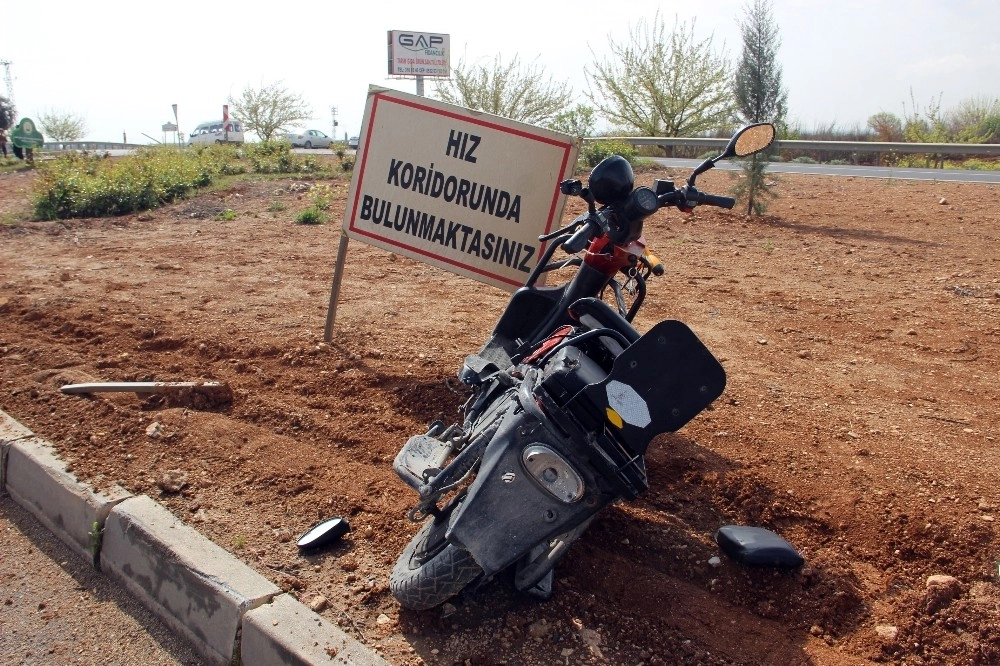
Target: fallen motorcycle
566 397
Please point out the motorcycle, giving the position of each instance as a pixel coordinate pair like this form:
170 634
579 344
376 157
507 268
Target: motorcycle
566 396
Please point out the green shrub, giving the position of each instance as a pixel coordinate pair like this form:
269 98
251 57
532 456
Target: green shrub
85 186
596 151
88 186
310 216
980 165
804 159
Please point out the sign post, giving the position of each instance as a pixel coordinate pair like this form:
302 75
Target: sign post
465 191
419 54
26 137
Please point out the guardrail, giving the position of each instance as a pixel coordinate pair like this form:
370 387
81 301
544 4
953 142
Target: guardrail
878 147
56 146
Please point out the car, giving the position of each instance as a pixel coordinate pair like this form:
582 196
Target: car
352 143
308 139
216 131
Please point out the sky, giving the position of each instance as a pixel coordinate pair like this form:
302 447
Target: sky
121 65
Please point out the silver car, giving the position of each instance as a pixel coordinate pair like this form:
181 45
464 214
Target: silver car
308 139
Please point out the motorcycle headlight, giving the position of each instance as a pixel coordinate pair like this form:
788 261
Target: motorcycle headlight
611 180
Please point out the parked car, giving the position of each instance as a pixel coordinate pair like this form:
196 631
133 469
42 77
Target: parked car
353 142
308 139
215 131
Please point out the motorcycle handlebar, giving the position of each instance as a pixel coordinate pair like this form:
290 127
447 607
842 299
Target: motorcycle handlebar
579 239
696 197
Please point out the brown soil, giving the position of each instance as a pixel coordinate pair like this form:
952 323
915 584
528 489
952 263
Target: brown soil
859 325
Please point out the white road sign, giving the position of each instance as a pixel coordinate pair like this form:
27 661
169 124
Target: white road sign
465 191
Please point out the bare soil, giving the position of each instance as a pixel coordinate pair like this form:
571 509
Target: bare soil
859 323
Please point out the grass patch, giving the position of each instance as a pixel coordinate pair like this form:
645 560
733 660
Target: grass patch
311 215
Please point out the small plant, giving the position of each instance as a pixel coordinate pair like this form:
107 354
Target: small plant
979 165
596 151
322 196
347 165
227 215
276 207
310 216
239 542
94 546
804 159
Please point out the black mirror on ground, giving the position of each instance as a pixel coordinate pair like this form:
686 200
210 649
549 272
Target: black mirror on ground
757 546
323 533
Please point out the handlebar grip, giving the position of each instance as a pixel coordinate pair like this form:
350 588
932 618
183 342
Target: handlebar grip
715 200
654 263
579 239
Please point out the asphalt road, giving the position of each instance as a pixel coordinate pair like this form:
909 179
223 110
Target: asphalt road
55 608
898 173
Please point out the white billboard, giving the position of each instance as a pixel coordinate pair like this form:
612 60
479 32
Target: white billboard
462 190
419 54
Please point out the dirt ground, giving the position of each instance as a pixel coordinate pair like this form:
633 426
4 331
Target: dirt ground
859 324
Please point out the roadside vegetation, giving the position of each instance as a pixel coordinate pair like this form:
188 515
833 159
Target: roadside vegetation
78 185
659 81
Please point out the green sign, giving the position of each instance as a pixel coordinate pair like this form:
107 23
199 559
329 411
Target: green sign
24 135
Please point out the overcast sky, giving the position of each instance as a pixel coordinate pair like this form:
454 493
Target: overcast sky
120 65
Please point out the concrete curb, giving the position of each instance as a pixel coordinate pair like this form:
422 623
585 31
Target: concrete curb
230 613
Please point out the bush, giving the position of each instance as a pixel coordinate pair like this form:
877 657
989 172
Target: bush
310 216
980 165
85 186
804 160
596 151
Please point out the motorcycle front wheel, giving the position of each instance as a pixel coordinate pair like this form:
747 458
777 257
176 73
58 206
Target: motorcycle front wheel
430 570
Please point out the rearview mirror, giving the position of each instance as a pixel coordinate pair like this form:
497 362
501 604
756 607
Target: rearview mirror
749 140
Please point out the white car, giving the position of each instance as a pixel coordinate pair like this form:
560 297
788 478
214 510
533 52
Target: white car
308 139
216 131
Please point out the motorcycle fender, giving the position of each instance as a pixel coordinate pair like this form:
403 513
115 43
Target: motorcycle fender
506 512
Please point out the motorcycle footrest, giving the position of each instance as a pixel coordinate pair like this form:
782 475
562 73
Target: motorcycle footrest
420 453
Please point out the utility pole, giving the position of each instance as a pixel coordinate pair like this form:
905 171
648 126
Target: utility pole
9 80
333 112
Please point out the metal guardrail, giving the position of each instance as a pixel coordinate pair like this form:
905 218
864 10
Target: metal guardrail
57 146
981 149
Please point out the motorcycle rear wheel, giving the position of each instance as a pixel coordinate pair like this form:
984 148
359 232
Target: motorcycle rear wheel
430 570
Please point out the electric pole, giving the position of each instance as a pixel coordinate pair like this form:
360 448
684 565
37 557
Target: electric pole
9 80
333 112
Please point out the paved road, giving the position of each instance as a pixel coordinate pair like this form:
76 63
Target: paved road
57 609
898 173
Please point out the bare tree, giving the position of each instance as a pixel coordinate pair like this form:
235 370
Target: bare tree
886 126
660 84
62 125
578 121
512 90
760 94
269 109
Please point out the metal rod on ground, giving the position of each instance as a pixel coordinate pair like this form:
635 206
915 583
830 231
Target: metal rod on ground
135 387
